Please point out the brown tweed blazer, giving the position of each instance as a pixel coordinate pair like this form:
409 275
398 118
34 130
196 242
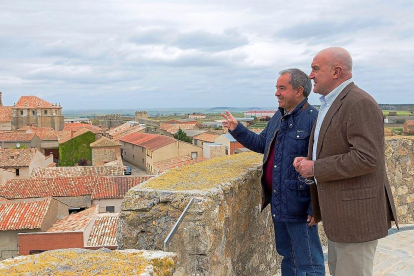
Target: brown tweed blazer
352 196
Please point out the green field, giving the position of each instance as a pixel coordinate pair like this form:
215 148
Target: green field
399 113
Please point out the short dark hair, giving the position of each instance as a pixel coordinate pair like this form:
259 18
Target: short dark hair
298 78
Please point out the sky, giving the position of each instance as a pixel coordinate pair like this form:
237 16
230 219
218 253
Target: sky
110 54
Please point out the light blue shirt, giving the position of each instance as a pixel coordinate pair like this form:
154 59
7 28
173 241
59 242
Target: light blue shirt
326 102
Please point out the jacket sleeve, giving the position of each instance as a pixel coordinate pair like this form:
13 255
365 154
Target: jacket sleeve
249 139
364 135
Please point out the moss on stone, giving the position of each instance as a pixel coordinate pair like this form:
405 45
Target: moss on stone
87 262
205 175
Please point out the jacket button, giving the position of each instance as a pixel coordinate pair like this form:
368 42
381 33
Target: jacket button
274 215
274 191
275 166
297 136
311 110
300 186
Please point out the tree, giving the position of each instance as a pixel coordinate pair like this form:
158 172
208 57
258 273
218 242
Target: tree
180 135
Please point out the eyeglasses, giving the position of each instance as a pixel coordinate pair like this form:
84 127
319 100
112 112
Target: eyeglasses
306 180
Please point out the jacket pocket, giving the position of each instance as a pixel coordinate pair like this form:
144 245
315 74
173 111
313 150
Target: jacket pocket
299 134
358 194
297 198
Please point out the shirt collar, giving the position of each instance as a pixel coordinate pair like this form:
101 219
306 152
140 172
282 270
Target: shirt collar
330 98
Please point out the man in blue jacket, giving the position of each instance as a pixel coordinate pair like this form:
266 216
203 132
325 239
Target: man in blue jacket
285 137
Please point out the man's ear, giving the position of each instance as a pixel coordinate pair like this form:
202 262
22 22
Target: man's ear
337 72
300 91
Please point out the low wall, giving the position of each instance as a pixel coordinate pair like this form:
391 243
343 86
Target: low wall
224 232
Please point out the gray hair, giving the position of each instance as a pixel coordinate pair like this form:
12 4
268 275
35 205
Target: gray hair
298 78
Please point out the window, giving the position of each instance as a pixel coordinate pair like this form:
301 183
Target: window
17 172
21 112
110 209
33 112
45 112
133 157
194 155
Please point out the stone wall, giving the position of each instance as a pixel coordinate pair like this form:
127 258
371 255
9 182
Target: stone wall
224 232
399 151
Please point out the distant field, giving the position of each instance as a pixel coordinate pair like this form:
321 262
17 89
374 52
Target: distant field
399 113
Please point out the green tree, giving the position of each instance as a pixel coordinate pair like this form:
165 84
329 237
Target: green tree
180 135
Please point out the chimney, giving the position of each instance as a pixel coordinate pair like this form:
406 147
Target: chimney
1 104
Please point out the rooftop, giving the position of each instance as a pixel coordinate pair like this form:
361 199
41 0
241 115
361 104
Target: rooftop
148 141
101 187
24 214
16 157
105 142
57 172
33 102
104 230
207 136
74 222
77 126
5 114
16 137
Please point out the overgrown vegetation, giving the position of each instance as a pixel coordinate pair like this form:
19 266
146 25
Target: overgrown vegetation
75 149
180 135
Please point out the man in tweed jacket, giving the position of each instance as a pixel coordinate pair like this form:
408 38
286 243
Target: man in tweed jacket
346 158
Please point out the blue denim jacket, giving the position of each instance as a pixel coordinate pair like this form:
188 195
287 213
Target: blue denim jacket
290 199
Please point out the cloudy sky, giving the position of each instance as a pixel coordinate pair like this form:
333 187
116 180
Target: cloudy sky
189 53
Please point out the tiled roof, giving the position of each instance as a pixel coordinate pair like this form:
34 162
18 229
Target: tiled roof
105 142
78 126
66 135
57 172
33 102
182 121
3 199
410 123
176 162
23 215
148 141
104 230
134 129
16 157
5 114
75 222
16 137
102 187
30 129
207 137
229 137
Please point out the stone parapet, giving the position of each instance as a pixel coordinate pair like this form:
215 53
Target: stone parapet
92 262
399 152
223 233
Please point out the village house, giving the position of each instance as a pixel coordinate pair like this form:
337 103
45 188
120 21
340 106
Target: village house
78 193
197 116
87 229
259 113
78 171
229 142
408 127
19 163
31 110
172 126
5 117
206 137
213 150
124 129
75 147
162 166
143 149
31 215
104 151
13 140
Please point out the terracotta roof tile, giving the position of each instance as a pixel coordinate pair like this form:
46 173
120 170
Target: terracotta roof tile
410 123
23 215
176 162
105 142
66 135
5 114
78 171
98 187
207 137
3 199
78 126
104 230
134 129
148 141
33 102
75 222
16 137
16 157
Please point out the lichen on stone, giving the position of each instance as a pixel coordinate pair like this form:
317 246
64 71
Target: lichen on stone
205 175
